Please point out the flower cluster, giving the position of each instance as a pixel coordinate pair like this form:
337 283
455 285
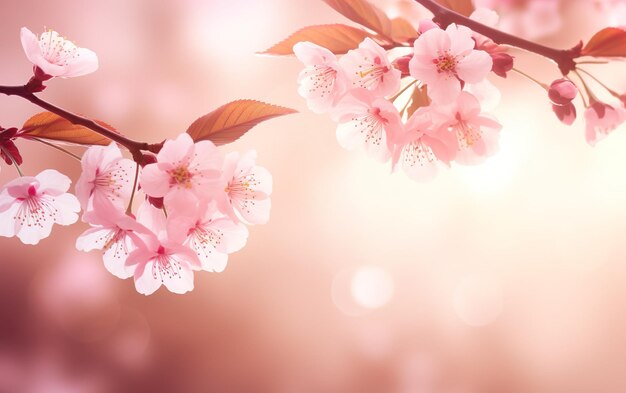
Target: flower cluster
192 202
437 117
192 217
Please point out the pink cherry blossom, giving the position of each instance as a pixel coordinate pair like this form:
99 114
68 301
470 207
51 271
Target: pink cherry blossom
30 206
444 59
562 91
183 165
161 259
105 173
322 81
601 119
247 189
369 68
476 133
366 120
114 232
209 233
56 55
565 113
423 148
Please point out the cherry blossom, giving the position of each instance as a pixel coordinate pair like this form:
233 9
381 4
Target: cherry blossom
565 113
161 259
422 147
476 133
56 56
182 165
105 173
601 119
445 58
30 206
246 189
114 232
367 121
368 67
322 81
562 91
209 233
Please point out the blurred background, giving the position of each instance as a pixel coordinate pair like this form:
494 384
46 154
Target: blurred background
505 277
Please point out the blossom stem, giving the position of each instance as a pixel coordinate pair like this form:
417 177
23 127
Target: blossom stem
59 148
405 88
17 167
129 209
133 146
615 94
542 85
564 58
590 94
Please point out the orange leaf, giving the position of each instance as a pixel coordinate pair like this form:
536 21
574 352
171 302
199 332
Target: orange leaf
402 31
608 42
463 7
336 38
47 125
363 13
419 98
229 122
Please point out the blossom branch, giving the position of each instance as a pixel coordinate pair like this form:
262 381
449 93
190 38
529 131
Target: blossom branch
134 147
563 57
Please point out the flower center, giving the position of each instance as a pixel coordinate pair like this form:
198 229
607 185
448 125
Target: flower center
181 176
445 62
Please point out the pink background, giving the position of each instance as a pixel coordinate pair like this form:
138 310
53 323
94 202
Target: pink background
506 277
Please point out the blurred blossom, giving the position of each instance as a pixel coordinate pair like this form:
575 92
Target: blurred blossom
372 287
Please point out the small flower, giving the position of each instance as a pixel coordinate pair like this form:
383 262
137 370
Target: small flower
422 148
114 232
30 206
369 68
562 91
476 133
565 113
601 119
368 121
209 233
182 166
247 189
161 259
322 81
444 59
105 173
57 56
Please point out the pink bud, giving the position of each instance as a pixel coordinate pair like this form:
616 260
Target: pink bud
502 63
425 25
562 91
402 64
566 113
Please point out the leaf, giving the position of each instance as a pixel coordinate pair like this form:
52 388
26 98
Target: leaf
402 31
363 13
336 38
47 125
608 42
463 7
418 100
229 122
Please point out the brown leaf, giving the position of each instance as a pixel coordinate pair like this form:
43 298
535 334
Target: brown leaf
47 125
402 31
463 7
608 42
229 122
336 38
418 100
363 13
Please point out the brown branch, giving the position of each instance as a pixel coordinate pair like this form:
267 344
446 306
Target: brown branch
563 57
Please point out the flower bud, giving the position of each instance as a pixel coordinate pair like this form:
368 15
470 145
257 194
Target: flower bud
566 113
402 64
425 25
562 91
502 63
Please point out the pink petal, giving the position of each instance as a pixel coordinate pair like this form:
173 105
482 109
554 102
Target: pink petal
154 181
85 63
460 39
474 67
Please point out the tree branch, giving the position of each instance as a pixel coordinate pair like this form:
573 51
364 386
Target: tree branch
563 57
